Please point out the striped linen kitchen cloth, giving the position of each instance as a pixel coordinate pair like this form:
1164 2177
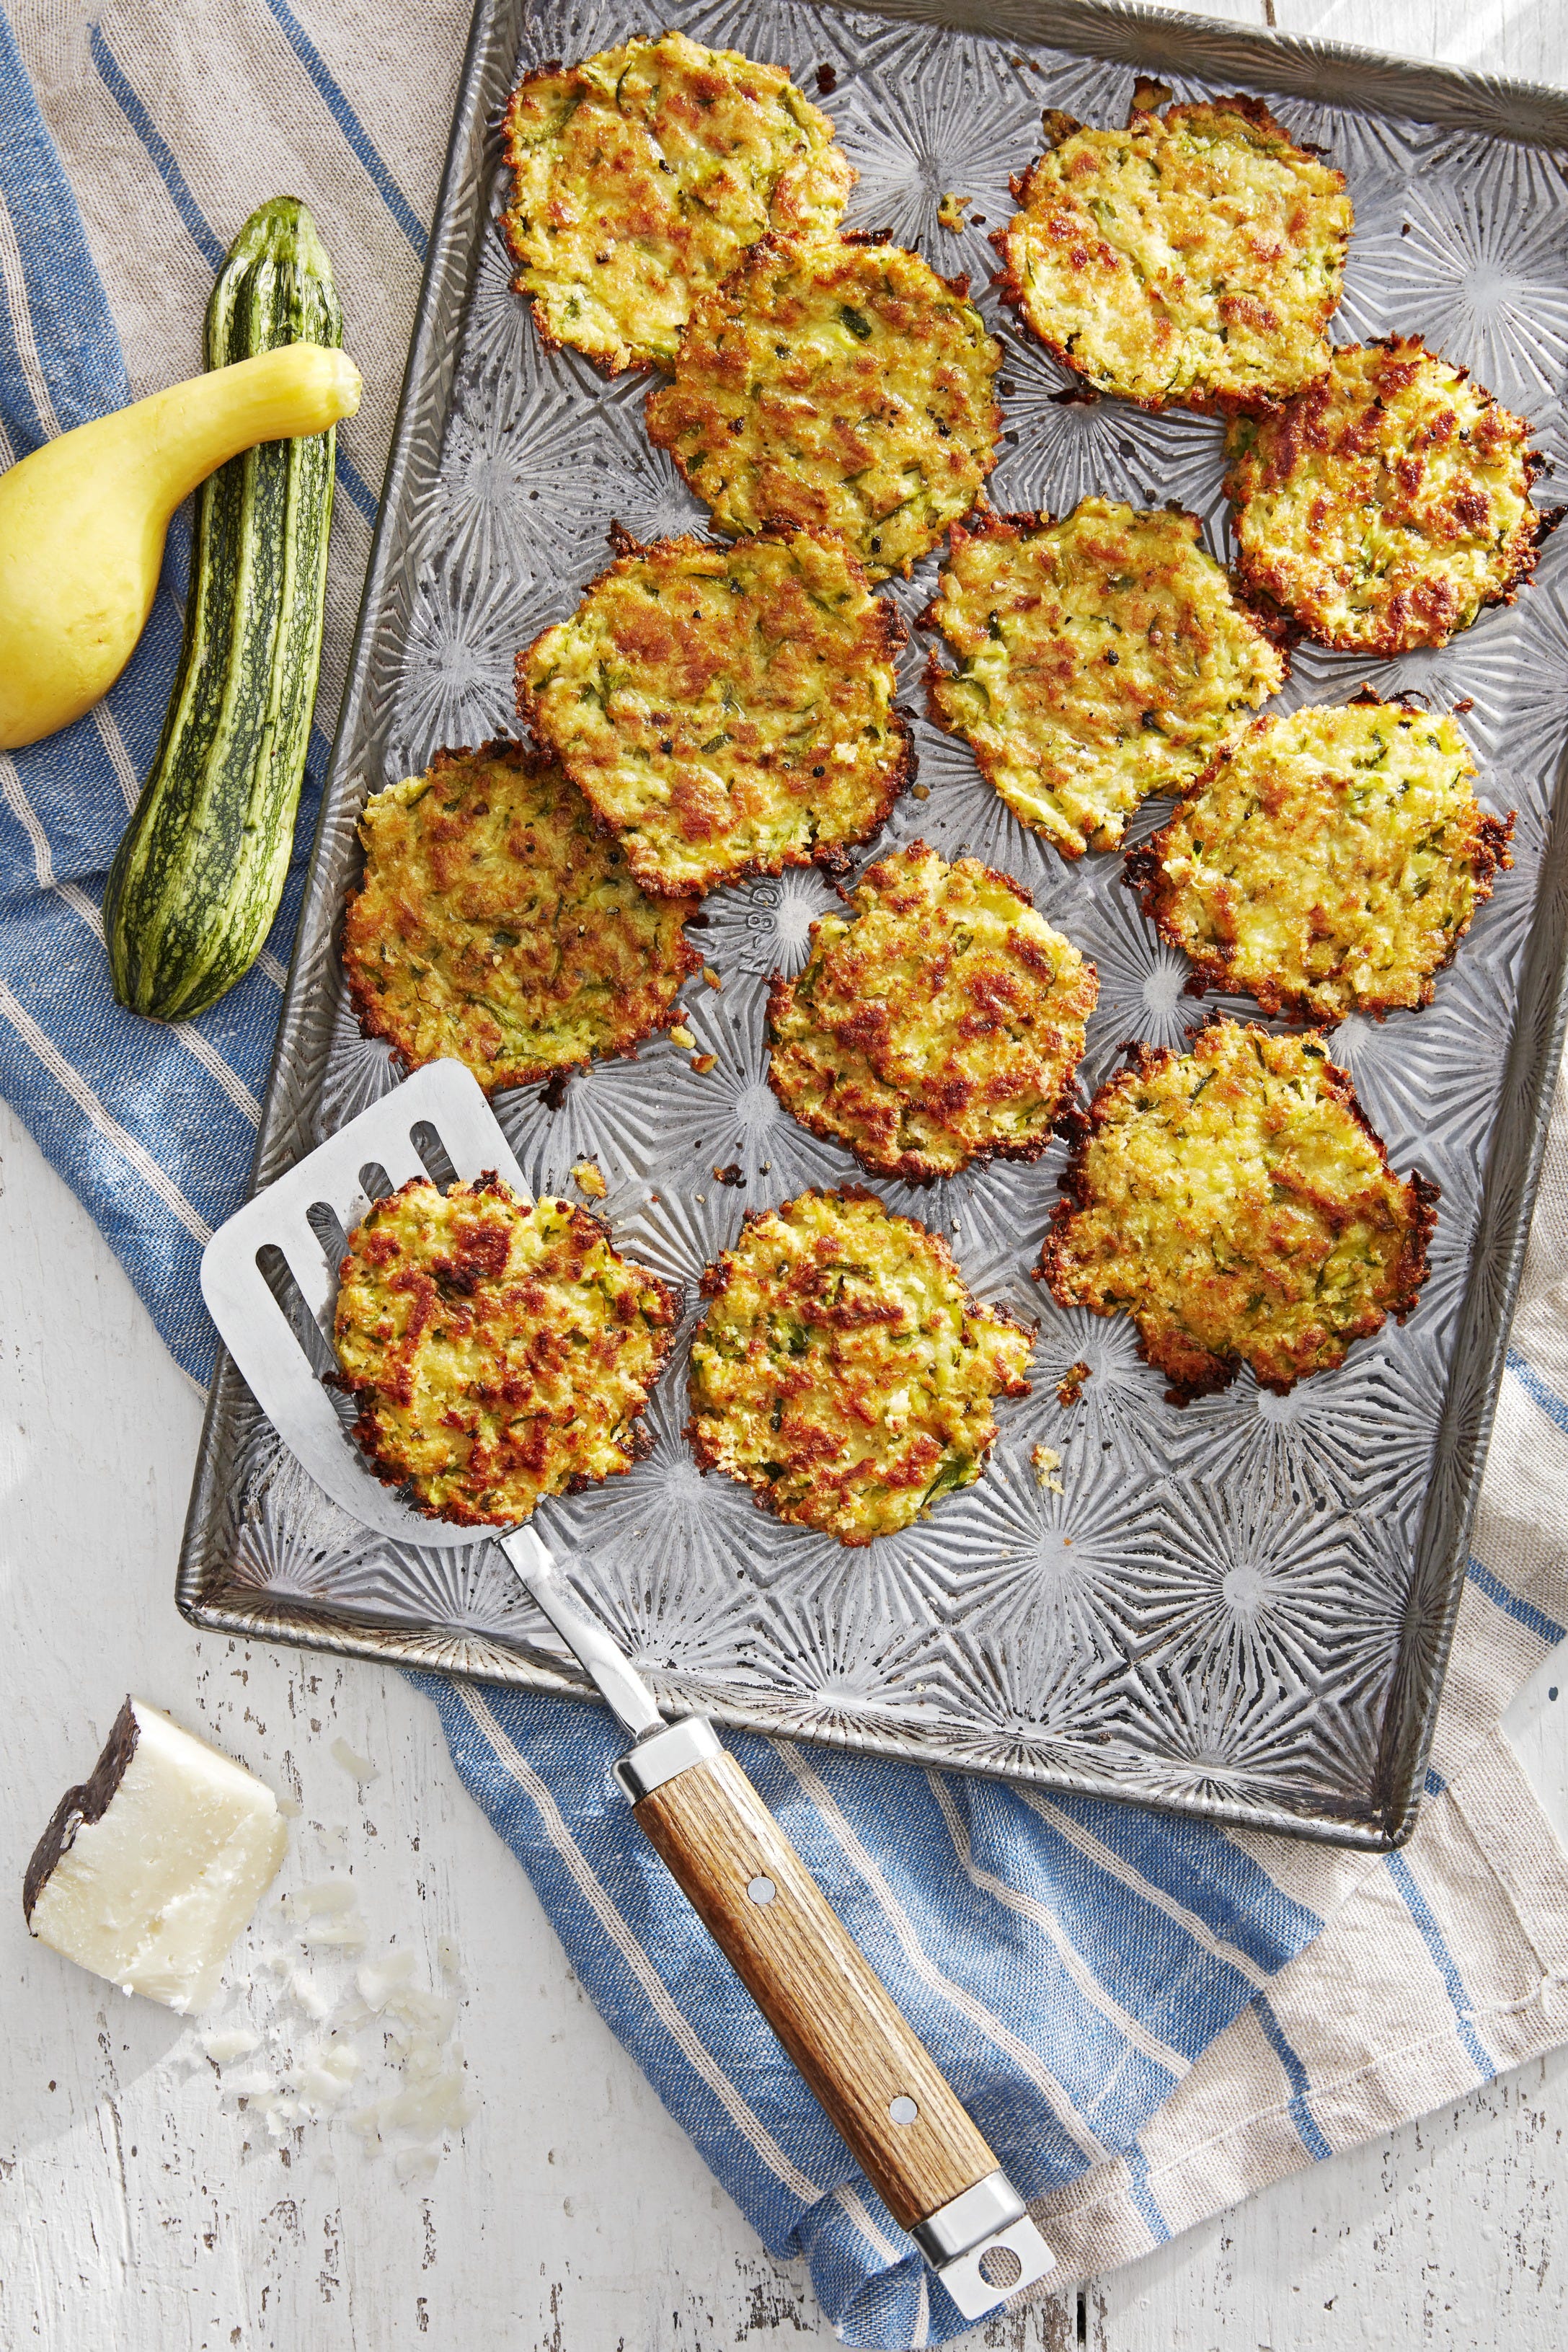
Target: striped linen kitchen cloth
1149 2018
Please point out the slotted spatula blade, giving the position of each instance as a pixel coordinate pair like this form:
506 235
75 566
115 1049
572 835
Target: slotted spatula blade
445 1098
877 2080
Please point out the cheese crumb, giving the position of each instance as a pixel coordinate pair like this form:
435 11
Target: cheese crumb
378 1985
331 1899
227 2042
247 2086
703 1063
324 1897
347 1934
327 2071
358 1766
440 2104
950 211
680 1035
589 1177
306 1994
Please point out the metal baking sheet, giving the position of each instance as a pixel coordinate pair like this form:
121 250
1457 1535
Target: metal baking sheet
1240 1610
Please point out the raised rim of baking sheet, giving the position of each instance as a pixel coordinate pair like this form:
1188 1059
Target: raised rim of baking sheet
1126 33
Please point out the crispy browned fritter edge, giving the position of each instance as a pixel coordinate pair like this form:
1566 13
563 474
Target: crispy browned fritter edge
1388 642
1076 1193
1010 287
835 859
511 753
640 1443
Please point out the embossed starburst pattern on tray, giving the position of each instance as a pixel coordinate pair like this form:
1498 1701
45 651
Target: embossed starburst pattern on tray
1205 1607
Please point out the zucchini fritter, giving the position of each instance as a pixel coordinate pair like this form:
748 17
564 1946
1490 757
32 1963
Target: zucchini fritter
500 1351
1328 863
1102 658
1235 1204
727 709
940 1021
497 925
1385 505
838 384
642 176
1190 261
842 1370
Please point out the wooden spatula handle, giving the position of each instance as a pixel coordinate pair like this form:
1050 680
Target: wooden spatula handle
768 1917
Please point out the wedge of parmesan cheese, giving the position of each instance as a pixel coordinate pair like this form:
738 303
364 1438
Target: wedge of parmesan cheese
149 1869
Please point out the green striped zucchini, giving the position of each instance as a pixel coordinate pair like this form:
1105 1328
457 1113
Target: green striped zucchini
197 880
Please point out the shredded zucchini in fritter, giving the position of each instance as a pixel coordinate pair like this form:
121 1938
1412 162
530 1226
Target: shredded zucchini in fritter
844 387
1329 863
727 710
1191 260
1385 506
641 177
938 1020
497 925
1101 659
842 1370
1234 1201
499 1350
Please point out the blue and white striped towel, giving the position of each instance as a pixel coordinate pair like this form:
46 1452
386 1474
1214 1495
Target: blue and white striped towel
1148 2019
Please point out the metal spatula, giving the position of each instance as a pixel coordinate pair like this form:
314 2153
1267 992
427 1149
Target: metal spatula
876 2079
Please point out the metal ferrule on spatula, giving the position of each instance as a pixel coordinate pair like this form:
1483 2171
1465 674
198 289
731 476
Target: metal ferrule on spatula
879 2085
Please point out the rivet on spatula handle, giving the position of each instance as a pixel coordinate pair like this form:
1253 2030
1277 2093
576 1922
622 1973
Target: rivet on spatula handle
874 2077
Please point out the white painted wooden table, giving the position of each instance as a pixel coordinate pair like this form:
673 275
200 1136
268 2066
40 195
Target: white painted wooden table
141 2210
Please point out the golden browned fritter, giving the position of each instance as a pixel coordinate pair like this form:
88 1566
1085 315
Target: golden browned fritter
727 709
1190 261
1235 1203
1385 505
938 1022
499 1350
497 925
1328 863
642 174
1101 659
838 384
842 1370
